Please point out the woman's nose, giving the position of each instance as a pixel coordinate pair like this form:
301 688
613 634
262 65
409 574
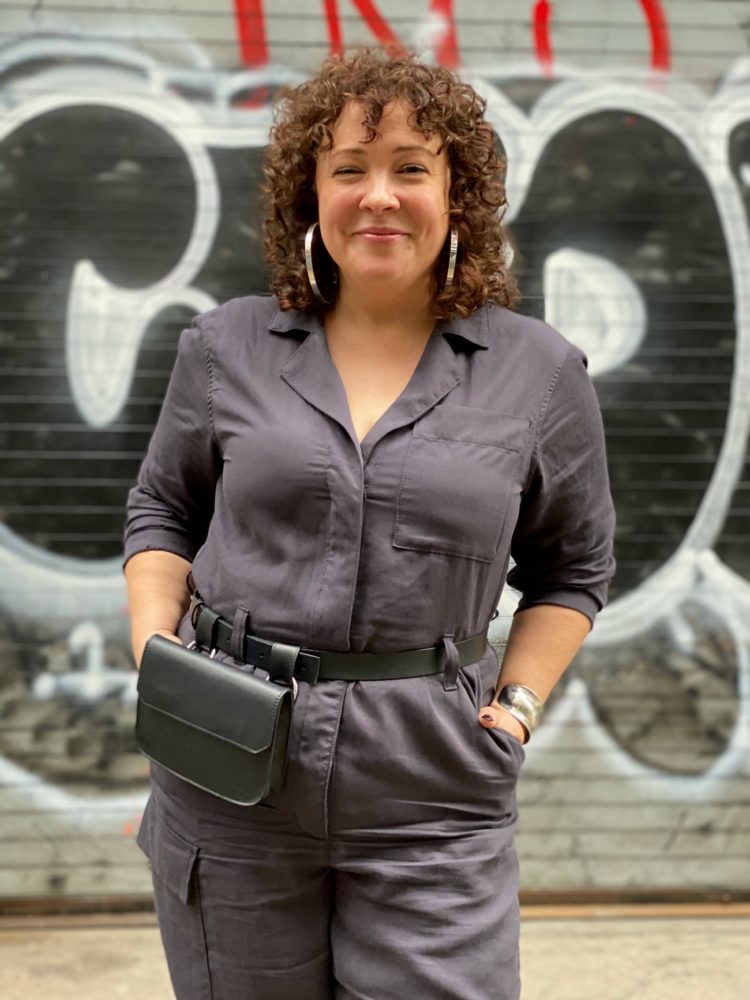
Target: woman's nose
379 194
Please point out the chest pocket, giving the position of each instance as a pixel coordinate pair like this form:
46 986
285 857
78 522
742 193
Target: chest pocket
463 470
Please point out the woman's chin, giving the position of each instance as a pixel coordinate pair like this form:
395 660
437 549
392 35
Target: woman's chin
377 278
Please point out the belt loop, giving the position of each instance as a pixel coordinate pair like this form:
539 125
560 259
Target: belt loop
452 663
239 631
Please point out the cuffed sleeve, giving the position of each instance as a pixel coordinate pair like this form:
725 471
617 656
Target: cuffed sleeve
562 544
170 506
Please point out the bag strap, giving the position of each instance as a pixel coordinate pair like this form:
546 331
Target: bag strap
282 663
205 628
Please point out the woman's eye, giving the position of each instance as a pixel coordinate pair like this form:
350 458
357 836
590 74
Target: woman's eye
408 168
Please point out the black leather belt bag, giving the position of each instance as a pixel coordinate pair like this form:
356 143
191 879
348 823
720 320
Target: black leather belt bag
223 729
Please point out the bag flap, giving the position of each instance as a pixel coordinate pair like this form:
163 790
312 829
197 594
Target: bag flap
234 705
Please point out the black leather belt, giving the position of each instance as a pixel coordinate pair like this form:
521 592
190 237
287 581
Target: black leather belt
212 631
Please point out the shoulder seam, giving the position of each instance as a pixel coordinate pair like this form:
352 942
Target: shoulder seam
553 382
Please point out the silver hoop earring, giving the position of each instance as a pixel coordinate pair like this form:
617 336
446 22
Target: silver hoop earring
311 268
452 258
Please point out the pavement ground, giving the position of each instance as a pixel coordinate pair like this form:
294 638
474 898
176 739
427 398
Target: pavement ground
592 953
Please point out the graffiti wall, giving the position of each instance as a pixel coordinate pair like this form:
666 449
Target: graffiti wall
130 146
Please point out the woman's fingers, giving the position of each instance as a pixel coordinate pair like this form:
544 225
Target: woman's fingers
493 716
490 716
168 635
140 645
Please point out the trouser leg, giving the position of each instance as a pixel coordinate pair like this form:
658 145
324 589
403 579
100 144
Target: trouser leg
422 818
437 920
242 897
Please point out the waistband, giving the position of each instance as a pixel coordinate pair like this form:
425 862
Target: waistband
283 660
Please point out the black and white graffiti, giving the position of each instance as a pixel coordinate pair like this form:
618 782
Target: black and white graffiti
130 202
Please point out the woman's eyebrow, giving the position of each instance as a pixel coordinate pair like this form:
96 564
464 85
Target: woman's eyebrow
360 151
414 149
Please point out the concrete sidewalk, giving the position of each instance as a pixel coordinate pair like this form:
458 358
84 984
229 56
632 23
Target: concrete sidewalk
593 955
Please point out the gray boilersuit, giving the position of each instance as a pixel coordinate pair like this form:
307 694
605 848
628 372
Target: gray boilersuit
385 868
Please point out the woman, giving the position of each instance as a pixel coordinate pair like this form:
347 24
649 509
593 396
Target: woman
348 465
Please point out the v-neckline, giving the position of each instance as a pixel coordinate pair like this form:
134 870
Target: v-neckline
310 371
361 442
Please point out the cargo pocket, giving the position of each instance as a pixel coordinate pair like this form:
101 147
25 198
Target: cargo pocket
461 476
174 871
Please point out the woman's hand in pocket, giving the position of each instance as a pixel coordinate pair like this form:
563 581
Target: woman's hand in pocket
494 716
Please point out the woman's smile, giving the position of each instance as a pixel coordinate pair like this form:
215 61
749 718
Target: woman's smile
384 235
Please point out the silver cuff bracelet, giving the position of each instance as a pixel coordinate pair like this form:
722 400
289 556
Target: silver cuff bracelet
523 704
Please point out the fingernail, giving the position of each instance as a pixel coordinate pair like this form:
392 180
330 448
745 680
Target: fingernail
487 717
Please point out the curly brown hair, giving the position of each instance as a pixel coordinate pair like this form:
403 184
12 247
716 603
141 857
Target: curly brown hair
441 104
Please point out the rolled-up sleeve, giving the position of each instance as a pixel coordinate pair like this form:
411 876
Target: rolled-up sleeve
562 544
170 506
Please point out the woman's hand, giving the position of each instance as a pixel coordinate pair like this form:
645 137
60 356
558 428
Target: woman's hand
494 716
140 645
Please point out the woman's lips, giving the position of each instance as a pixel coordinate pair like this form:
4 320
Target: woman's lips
380 235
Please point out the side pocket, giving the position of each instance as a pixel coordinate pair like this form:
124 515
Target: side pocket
479 693
174 864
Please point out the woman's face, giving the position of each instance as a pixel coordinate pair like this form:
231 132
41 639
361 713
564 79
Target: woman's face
383 205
